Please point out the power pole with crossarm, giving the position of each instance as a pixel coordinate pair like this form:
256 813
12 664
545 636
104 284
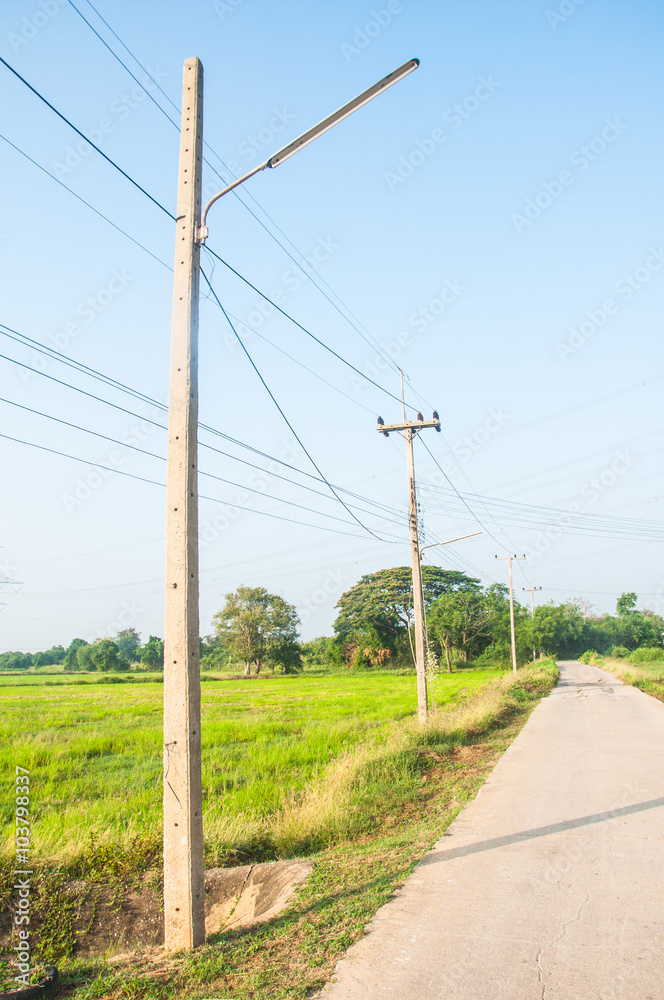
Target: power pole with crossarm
409 429
512 629
531 590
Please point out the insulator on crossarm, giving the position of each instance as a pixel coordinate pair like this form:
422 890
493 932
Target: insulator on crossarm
420 417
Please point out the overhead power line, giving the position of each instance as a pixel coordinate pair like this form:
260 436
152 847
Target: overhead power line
85 138
303 328
154 482
86 203
470 511
162 458
347 315
142 397
283 415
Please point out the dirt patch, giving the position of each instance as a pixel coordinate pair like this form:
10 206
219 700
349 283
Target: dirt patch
108 920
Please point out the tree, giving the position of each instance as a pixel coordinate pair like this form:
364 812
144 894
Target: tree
48 657
13 660
128 642
84 657
463 621
378 611
321 652
152 654
104 654
71 659
626 603
559 628
257 627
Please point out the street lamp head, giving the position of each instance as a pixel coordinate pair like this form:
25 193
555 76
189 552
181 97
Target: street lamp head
344 112
307 137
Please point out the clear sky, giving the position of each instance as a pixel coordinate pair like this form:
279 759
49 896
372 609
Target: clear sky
493 224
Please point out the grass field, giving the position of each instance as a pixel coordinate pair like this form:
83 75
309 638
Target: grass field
340 770
93 748
648 677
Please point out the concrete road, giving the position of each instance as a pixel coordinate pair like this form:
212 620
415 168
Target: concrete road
550 884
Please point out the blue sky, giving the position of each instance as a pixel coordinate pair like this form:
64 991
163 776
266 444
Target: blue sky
493 225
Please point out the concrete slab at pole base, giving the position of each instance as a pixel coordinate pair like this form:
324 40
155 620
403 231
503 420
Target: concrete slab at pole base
550 883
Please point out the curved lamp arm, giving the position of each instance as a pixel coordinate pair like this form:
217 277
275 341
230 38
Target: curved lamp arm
311 134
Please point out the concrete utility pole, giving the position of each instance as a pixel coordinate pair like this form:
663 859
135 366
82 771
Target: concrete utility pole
409 429
531 590
184 895
184 901
512 629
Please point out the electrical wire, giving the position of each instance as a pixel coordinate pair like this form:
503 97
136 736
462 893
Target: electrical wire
348 315
112 383
281 412
154 482
471 512
301 327
85 138
86 203
162 458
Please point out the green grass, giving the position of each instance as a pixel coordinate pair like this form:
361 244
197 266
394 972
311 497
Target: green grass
647 677
436 771
93 748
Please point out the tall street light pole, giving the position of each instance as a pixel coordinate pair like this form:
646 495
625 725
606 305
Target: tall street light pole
184 893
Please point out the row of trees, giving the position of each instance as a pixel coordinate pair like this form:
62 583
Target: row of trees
465 621
254 628
107 654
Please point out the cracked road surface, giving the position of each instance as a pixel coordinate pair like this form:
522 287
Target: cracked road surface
550 884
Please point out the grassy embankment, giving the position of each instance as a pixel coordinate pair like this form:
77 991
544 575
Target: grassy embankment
644 669
333 767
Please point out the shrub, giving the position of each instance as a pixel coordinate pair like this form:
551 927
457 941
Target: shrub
647 655
592 657
619 652
496 655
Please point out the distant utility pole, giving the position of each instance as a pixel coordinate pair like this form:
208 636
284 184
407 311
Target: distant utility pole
409 429
184 893
531 590
509 559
